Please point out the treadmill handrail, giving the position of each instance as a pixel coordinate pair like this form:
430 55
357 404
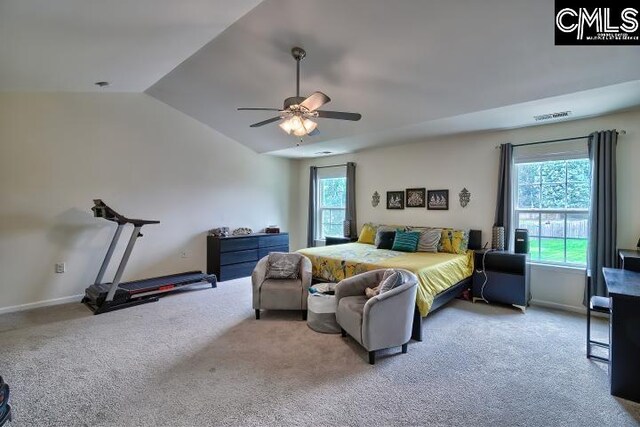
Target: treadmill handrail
102 210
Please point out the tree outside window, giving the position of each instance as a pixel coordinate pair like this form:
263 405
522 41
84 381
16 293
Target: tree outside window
332 193
552 202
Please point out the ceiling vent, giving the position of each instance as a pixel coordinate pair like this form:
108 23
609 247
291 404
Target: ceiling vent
324 153
552 116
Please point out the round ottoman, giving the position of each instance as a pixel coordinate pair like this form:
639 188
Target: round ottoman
321 313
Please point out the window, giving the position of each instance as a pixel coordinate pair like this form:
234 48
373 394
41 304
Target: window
552 200
332 195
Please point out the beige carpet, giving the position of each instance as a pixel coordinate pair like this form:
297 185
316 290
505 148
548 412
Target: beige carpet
200 358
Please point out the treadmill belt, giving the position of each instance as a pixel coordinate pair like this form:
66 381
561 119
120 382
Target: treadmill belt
157 282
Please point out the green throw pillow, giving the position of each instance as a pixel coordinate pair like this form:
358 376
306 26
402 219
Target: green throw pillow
406 241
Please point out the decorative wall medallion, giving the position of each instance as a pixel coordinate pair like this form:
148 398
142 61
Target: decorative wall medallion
465 197
375 199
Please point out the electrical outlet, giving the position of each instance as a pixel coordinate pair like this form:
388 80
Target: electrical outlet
61 267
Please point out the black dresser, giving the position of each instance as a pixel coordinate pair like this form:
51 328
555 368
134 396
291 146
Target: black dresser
236 256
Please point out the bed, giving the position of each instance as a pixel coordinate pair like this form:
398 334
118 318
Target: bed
441 276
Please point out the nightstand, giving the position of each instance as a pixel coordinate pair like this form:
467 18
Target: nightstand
629 259
334 240
507 275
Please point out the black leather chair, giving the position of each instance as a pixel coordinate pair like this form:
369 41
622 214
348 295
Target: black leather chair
599 305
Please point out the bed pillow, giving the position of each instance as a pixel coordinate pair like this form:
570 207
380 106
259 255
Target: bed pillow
371 292
281 265
385 239
429 240
391 279
454 241
383 228
406 241
367 234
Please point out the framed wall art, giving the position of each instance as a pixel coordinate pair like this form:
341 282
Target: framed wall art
438 200
395 199
416 197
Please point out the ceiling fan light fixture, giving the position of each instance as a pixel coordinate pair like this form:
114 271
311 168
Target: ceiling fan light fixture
309 125
298 110
306 127
286 126
298 126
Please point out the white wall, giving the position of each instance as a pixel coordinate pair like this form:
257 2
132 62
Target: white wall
59 151
471 161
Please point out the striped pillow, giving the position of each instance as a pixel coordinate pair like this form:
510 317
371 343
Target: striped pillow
390 280
429 240
406 241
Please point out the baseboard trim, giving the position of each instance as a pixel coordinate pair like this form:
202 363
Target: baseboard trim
558 306
46 303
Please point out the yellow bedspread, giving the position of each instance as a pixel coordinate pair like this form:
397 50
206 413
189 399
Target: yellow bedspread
436 271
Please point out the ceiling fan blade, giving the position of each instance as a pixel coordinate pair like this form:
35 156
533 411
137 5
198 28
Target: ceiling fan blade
314 132
258 109
265 122
339 115
315 101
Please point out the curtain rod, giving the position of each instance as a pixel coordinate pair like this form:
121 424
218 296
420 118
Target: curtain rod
548 141
329 166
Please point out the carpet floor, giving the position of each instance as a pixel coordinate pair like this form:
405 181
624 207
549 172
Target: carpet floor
200 359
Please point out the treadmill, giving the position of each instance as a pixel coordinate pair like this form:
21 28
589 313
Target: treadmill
103 297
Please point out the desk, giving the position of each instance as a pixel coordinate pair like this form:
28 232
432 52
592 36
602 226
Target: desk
624 290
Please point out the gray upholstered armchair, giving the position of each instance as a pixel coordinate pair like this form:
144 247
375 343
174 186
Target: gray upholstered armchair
382 321
281 294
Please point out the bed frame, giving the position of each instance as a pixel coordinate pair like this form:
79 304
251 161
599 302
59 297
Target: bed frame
438 302
475 243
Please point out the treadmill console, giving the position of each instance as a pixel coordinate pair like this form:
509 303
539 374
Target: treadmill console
101 210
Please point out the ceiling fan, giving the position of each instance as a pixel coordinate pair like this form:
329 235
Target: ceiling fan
298 112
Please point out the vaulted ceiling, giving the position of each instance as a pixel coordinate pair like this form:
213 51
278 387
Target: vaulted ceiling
68 45
413 68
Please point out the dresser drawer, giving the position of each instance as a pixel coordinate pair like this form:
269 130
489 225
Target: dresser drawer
275 240
234 271
237 257
265 251
227 245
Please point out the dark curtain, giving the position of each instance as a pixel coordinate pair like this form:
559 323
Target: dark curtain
503 207
313 200
350 212
603 212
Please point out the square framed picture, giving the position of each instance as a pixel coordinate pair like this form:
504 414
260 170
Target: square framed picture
395 199
438 200
416 197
